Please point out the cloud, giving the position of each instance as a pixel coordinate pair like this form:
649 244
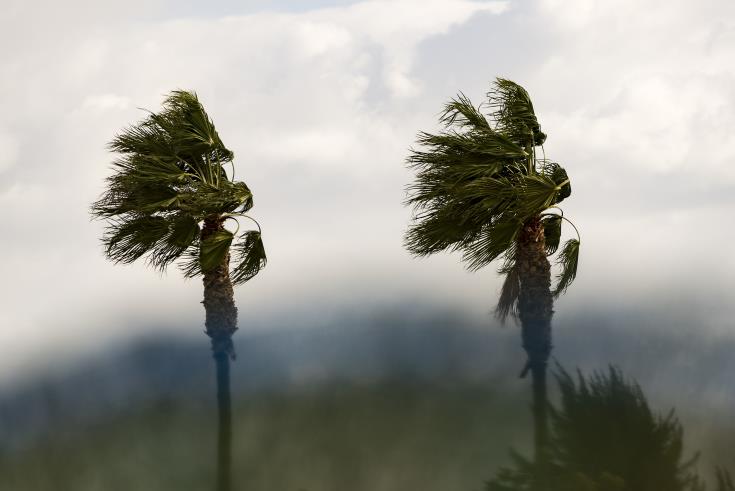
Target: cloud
320 106
649 88
310 104
9 151
105 102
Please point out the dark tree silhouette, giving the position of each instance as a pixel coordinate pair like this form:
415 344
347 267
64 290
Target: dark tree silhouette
168 201
481 189
605 437
724 480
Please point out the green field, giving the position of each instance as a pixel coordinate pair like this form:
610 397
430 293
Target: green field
373 437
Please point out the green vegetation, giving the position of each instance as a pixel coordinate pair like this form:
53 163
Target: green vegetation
605 437
390 436
387 435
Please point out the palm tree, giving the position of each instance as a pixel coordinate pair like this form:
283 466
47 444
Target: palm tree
481 189
167 201
606 437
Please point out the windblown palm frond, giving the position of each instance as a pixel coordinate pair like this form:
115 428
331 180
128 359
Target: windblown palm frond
249 256
569 259
514 114
493 241
214 249
170 177
461 111
478 181
552 233
509 293
473 207
606 436
558 175
724 480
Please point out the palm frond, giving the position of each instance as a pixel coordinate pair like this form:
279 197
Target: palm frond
447 146
493 241
559 176
461 112
214 249
724 480
126 240
443 228
148 137
189 265
513 113
552 233
190 127
160 239
440 185
126 195
492 191
182 134
509 293
249 255
152 168
569 259
183 231
475 181
536 193
204 199
168 177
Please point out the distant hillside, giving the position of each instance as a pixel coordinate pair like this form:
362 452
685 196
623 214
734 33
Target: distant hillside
276 361
382 403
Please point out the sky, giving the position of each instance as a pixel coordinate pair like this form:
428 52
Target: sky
321 101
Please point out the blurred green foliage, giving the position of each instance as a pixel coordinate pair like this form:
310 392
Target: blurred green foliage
376 435
388 436
606 437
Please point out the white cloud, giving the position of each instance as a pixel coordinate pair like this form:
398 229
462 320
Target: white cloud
649 85
9 151
320 107
105 102
313 103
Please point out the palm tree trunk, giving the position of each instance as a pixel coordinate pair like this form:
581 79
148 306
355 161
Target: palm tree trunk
221 323
535 308
224 426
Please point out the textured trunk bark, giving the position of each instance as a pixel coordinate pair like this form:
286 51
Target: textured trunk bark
535 308
221 323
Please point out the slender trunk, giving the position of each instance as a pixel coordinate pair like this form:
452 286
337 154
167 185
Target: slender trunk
535 308
224 429
221 323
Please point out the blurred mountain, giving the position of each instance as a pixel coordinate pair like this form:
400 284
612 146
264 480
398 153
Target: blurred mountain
369 402
442 349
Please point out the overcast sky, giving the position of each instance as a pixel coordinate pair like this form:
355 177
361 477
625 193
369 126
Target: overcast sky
320 102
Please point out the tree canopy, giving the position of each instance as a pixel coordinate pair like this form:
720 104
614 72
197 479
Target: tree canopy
170 176
480 179
605 437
